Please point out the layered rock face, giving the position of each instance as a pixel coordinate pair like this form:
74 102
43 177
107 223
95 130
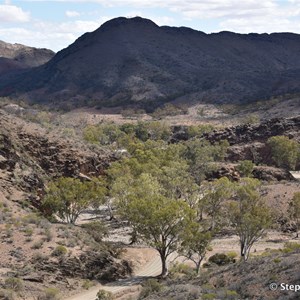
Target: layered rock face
29 158
249 141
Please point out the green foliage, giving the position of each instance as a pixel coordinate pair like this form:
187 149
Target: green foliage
103 134
169 110
194 243
198 130
50 294
150 287
69 197
232 254
96 229
285 151
209 296
249 216
164 162
37 244
104 295
178 269
155 218
156 188
215 195
221 259
231 295
158 131
87 284
59 251
13 283
291 247
126 134
7 294
245 168
201 155
251 119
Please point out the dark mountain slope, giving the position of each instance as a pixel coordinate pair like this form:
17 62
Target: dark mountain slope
134 60
16 56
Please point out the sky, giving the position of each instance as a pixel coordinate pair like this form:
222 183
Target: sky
56 24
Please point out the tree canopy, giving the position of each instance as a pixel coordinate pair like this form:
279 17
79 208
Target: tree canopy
69 197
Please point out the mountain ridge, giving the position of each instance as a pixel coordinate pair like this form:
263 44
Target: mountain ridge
16 57
134 60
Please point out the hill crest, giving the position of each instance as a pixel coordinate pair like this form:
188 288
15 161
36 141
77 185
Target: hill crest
133 60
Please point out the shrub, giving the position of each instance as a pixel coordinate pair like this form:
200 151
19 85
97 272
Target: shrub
285 152
193 293
37 244
28 231
59 251
231 295
96 229
232 255
87 284
251 119
49 294
169 110
245 167
221 259
179 269
48 235
208 296
39 257
290 247
150 287
7 295
32 219
13 283
104 295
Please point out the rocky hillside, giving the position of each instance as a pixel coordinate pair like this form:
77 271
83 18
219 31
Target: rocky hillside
135 61
39 258
250 280
17 56
29 157
248 141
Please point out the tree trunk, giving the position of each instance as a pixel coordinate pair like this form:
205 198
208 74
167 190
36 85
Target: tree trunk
198 265
243 252
164 271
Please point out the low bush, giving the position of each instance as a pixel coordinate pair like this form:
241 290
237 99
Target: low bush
291 247
37 245
59 251
50 294
221 259
104 295
181 269
7 294
13 283
150 287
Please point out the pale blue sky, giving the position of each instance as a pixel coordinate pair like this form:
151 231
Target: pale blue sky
56 24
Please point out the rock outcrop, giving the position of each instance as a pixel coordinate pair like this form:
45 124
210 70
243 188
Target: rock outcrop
250 133
92 265
29 159
248 142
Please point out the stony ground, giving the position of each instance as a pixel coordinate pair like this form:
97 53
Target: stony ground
26 236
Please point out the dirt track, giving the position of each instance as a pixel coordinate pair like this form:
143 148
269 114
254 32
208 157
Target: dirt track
152 268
